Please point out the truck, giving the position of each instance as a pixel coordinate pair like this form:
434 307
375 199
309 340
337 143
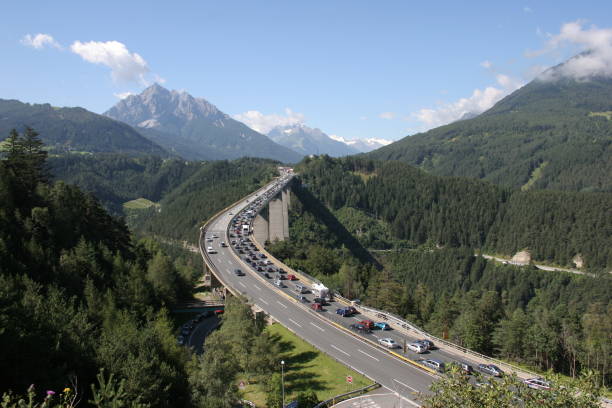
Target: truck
320 290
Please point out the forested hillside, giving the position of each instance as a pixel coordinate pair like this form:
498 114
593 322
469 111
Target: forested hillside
546 135
459 212
424 230
83 305
75 129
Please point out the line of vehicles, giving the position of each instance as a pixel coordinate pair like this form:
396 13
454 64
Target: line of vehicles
239 231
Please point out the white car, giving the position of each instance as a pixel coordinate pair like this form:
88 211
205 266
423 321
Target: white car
417 348
537 383
211 250
389 343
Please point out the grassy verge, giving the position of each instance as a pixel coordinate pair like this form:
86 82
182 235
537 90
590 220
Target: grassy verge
306 369
138 204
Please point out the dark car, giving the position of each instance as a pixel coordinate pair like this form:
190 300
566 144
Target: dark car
302 298
260 269
346 311
266 274
358 327
464 368
320 301
490 369
238 272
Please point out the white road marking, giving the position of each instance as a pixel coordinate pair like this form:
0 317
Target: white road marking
356 318
257 287
242 284
294 322
340 350
264 301
320 328
363 352
285 306
405 385
376 336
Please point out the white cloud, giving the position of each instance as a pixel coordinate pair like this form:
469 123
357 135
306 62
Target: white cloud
387 115
39 41
527 9
594 45
264 123
125 66
478 102
486 64
123 95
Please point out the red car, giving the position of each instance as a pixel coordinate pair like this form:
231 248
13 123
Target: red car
316 307
367 323
291 277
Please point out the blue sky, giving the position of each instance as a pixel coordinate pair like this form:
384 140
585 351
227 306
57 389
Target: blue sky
356 69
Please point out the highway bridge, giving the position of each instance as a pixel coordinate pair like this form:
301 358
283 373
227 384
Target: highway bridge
397 370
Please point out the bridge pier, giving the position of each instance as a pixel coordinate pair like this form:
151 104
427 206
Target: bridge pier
278 229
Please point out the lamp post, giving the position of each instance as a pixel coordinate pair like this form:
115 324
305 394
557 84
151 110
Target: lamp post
283 380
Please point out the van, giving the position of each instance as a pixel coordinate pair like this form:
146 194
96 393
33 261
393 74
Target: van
299 288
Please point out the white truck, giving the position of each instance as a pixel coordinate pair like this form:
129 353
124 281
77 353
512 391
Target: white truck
320 290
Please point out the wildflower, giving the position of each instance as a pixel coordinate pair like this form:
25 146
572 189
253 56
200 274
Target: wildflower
67 389
50 393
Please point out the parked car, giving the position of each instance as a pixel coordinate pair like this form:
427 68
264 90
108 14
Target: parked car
417 348
537 383
389 343
382 326
358 327
490 369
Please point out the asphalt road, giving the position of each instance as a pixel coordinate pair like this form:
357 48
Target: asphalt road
314 327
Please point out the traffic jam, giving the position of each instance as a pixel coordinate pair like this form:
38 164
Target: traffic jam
320 299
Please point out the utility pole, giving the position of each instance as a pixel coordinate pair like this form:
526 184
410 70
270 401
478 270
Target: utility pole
283 380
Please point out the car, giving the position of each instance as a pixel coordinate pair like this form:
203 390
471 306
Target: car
266 274
302 298
417 348
210 250
428 343
346 311
291 277
223 244
537 383
260 269
368 323
382 326
262 256
358 327
490 369
238 272
389 343
218 312
316 307
209 240
240 251
433 364
463 367
320 301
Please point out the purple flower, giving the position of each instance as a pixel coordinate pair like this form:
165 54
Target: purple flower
50 393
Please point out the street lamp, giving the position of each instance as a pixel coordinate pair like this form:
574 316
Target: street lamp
283 380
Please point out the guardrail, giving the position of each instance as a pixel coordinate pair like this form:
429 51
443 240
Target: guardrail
347 395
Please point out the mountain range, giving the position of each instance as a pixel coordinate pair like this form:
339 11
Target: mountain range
194 128
550 134
307 141
75 129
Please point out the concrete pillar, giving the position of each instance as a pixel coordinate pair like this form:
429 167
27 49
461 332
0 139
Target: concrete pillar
261 227
277 219
285 200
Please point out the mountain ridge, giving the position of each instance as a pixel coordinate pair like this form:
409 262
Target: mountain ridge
307 140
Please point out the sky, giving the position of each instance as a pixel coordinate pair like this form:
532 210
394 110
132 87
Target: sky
354 69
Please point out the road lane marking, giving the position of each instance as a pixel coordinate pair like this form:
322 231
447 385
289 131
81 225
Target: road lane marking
257 287
285 306
356 318
340 350
320 328
294 322
242 284
264 301
363 352
405 385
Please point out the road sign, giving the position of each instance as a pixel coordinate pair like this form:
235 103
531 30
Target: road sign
349 379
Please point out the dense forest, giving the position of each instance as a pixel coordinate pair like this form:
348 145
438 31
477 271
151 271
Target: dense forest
83 305
546 135
424 231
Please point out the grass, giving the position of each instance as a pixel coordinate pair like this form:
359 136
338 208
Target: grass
364 176
306 369
535 176
138 204
607 115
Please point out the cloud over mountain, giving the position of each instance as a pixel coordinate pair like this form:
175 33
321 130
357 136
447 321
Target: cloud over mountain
265 123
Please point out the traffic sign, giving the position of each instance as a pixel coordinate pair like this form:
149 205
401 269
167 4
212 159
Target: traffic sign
349 379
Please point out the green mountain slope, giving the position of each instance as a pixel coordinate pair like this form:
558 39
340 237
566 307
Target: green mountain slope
74 129
546 135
